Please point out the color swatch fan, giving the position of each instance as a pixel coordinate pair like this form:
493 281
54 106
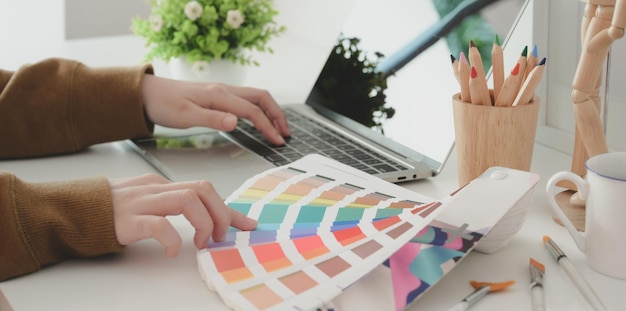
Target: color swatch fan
322 226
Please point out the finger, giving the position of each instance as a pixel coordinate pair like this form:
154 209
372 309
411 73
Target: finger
280 121
146 179
161 230
221 216
219 211
266 102
198 202
241 221
180 201
224 100
193 115
147 187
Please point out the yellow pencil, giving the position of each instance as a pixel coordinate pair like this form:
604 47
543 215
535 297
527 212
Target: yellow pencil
497 67
530 85
464 78
479 91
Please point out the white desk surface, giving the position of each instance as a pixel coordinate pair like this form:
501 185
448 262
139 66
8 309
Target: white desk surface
143 278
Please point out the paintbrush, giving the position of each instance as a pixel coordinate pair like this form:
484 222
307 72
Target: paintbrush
481 289
576 278
537 270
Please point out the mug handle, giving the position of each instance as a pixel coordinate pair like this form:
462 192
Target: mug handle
552 190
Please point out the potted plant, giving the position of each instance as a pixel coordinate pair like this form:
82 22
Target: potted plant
202 34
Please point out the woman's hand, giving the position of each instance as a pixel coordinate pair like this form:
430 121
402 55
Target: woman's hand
140 205
180 104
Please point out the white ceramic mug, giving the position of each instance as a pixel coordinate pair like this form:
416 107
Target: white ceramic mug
604 189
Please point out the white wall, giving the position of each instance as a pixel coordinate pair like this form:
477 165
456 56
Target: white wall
92 18
564 51
27 26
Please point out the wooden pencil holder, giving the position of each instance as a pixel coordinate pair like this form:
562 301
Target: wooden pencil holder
487 136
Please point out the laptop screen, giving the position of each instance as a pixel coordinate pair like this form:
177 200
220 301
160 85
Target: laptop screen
389 76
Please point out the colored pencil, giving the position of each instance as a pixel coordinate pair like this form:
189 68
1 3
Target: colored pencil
455 67
464 78
531 61
475 59
497 67
527 90
513 82
509 88
522 60
523 57
479 91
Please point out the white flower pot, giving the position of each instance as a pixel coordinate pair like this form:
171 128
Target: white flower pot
223 71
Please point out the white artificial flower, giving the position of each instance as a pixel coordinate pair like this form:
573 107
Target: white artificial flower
234 18
193 10
156 22
200 68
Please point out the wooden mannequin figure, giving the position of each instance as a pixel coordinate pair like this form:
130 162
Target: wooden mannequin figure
603 23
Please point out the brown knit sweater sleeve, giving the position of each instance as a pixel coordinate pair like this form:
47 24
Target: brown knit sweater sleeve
44 223
52 107
60 106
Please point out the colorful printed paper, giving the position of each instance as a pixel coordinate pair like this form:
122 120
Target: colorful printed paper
423 261
320 229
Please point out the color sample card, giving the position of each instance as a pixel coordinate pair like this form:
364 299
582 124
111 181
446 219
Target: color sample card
423 261
329 273
471 214
322 226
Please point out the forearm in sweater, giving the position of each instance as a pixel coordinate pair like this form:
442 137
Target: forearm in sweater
44 223
60 106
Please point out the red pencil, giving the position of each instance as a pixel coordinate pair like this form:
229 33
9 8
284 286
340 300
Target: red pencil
475 59
527 91
510 87
479 91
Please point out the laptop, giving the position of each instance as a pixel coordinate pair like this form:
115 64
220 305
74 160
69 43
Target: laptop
381 103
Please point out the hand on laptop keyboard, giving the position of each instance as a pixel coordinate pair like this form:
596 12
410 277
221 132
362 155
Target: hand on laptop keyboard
179 104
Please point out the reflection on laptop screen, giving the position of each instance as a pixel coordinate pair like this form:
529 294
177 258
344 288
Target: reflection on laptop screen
397 81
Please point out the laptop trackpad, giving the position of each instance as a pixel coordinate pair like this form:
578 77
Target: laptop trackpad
206 156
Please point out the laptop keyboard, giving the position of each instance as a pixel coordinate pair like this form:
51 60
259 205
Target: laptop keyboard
309 136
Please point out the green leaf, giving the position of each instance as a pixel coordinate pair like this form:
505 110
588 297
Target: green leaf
209 37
